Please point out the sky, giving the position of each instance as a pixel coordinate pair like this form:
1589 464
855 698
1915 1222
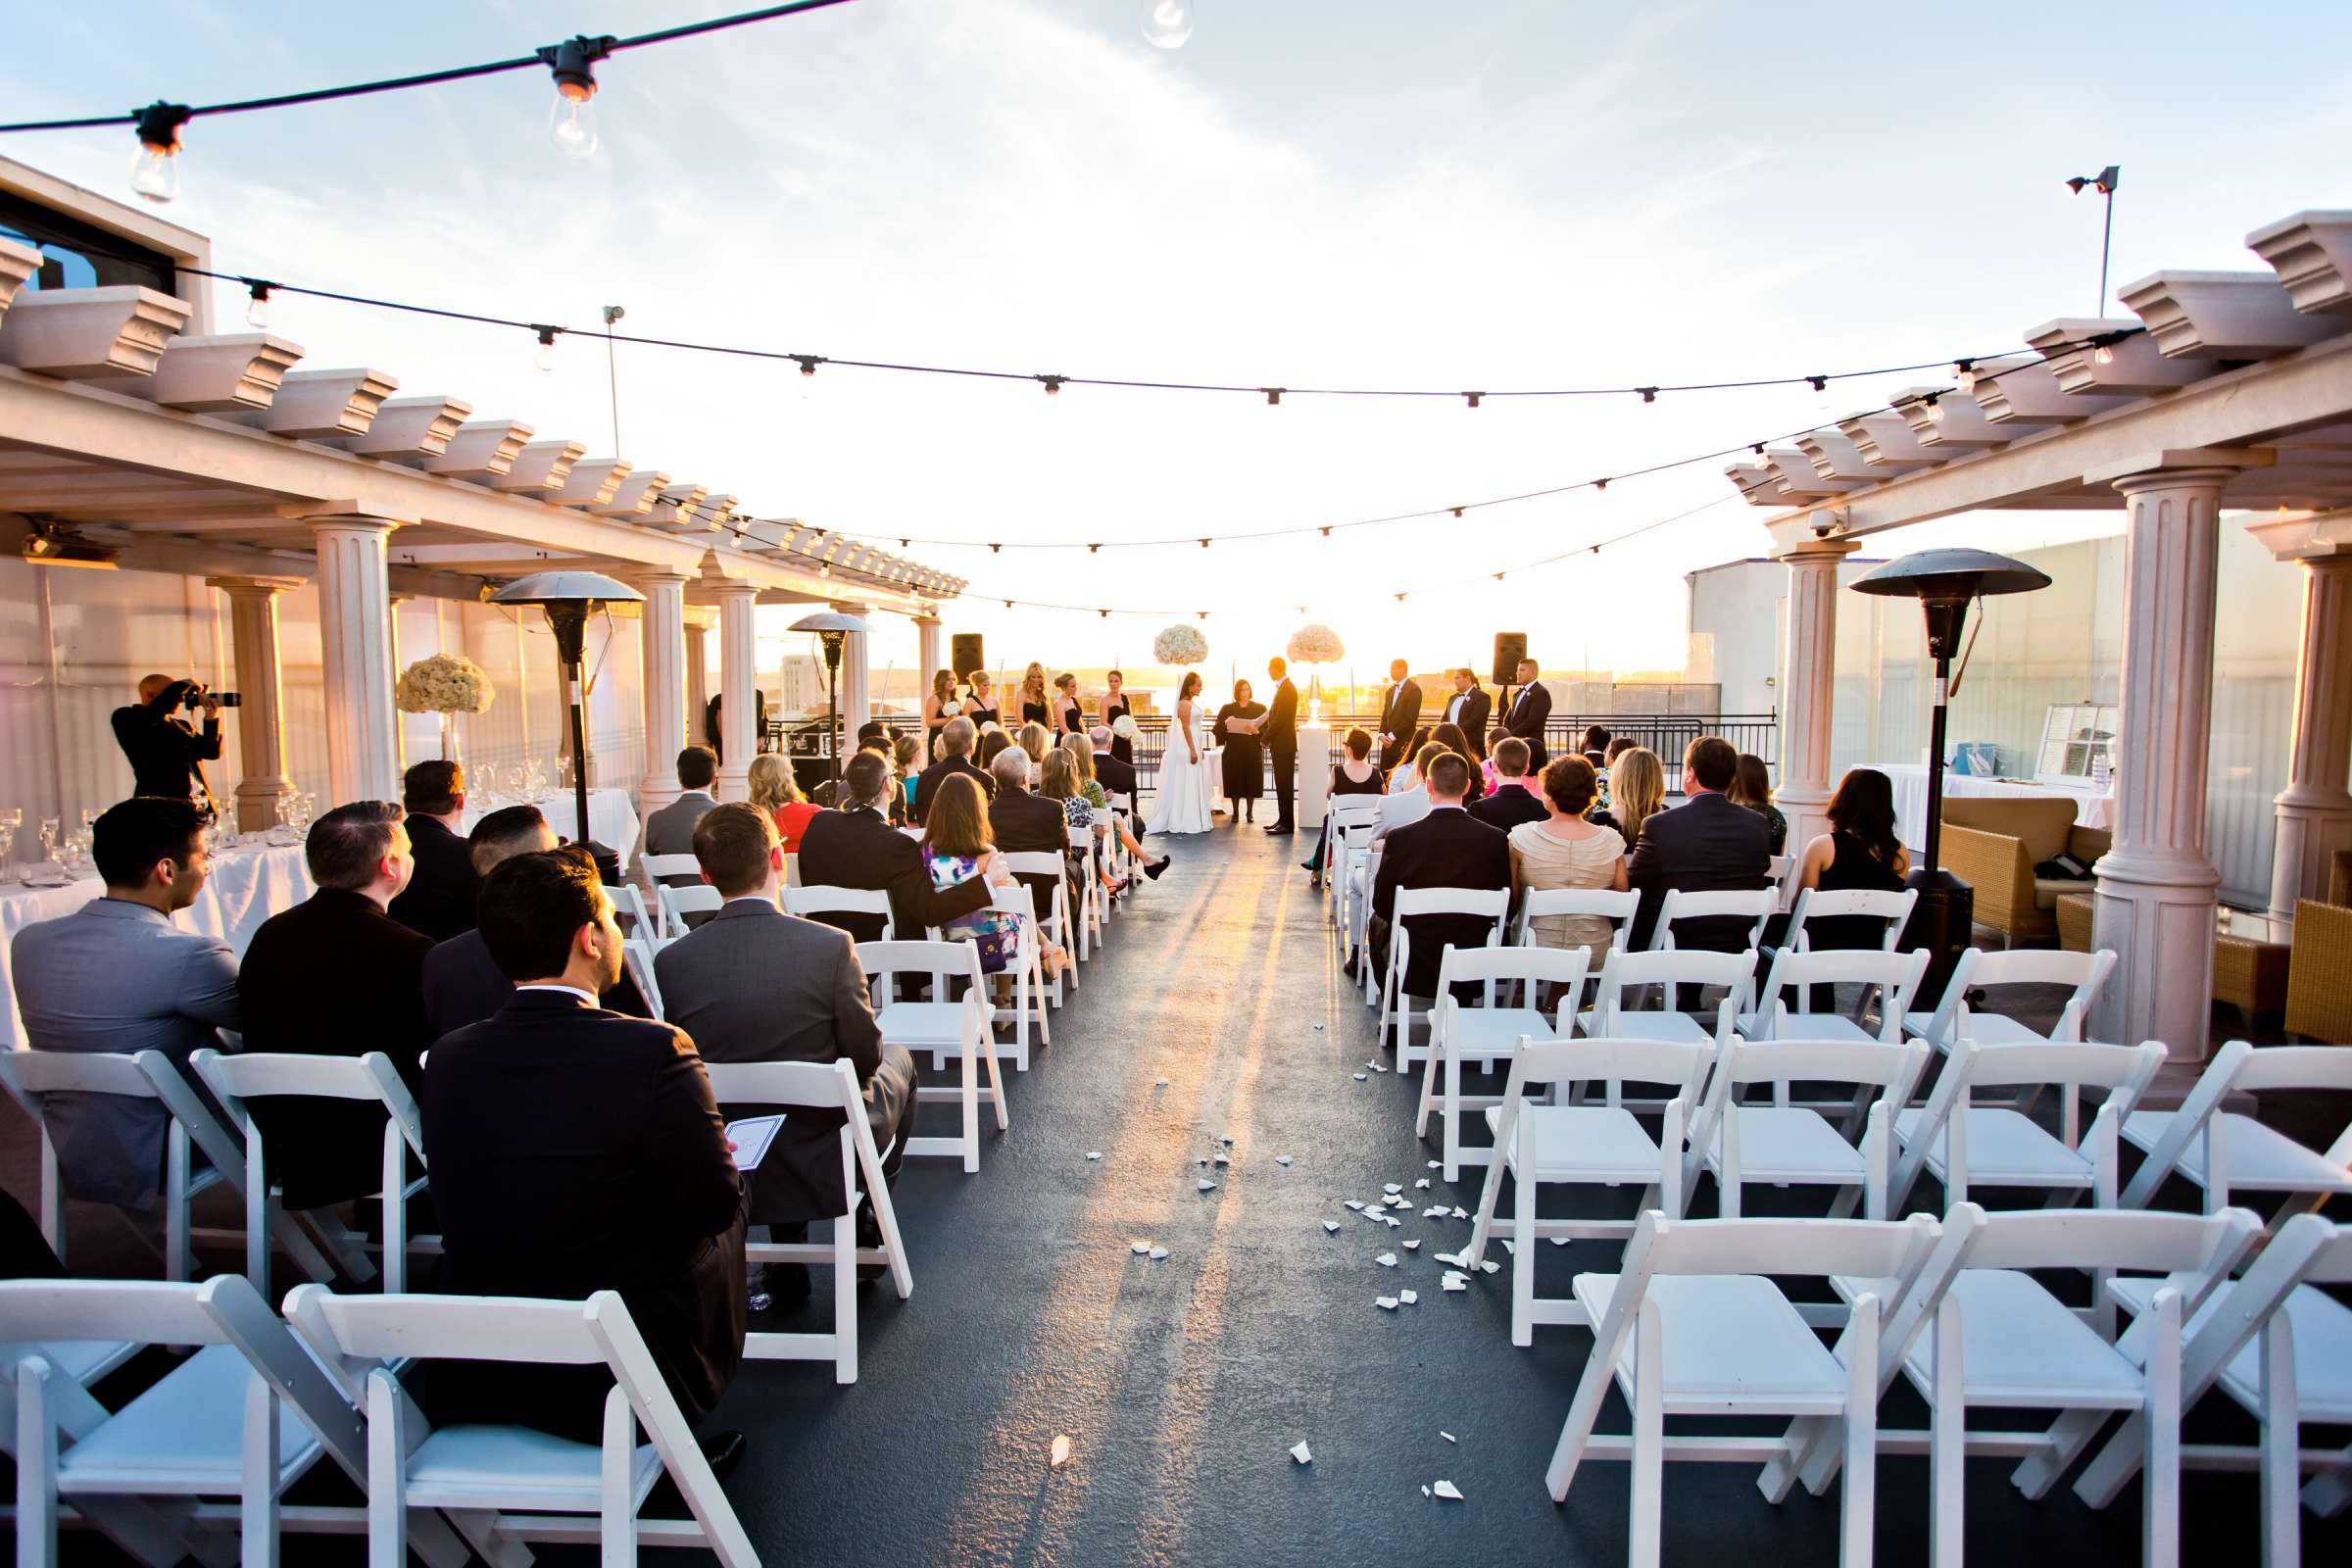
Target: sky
1309 192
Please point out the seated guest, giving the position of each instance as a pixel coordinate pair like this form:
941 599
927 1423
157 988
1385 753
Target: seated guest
1859 853
117 975
1355 775
854 847
1409 805
1486 767
1596 747
463 984
1705 845
1033 739
1082 751
1450 737
1752 787
576 1151
957 854
1566 850
956 743
1620 746
1636 792
755 984
336 976
438 901
1407 774
1021 822
670 830
994 744
905 766
1447 849
1114 772
1512 800
776 792
1057 783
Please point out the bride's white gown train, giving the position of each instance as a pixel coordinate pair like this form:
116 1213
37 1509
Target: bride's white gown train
1181 804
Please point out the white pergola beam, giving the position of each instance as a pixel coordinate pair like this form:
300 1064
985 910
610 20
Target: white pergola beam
214 374
2222 316
324 405
2312 254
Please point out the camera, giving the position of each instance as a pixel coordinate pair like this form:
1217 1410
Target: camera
193 695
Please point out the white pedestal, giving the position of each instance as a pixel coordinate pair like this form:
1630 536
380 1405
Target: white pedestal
1314 776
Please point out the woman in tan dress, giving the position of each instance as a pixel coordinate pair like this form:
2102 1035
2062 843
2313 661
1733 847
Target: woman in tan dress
1565 851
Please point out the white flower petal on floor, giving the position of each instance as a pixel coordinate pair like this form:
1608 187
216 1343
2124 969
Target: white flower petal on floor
1282 1159
1386 1260
1448 1436
1158 1252
1412 1246
1094 1154
1408 1297
1300 1452
1361 1076
1139 1249
1208 1187
1059 1455
1448 1490
1453 1282
1394 1188
1387 1304
1422 1182
1330 1225
1349 1202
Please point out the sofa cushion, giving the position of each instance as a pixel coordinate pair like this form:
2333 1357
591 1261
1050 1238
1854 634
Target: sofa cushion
2040 821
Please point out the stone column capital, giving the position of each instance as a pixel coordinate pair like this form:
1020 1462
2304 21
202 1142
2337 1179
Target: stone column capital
1817 552
354 522
254 587
2181 468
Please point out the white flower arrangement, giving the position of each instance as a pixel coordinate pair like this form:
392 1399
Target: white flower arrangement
1316 644
1123 727
1179 645
991 727
445 683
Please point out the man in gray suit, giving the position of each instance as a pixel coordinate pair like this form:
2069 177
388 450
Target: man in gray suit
670 830
117 975
755 984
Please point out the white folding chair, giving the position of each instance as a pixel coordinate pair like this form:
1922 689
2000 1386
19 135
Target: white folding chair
962 1030
1489 904
1894 976
817 901
1758 905
2222 1153
1028 969
1591 1146
810 1086
32 1076
1059 927
637 957
792 868
1815 904
1486 1034
1690 1326
1954 1019
1962 1144
216 1424
657 866
1610 1018
1977 1328
370 1078
1787 1145
680 902
463 1470
628 907
1089 913
2277 1345
1345 814
1779 868
1617 908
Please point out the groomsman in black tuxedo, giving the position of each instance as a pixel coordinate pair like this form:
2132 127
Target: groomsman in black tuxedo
1469 709
1399 716
1530 711
1279 730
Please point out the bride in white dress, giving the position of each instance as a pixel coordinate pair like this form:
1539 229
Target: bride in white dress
1182 805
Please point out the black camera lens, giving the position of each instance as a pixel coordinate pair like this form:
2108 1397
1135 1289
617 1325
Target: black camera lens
228 698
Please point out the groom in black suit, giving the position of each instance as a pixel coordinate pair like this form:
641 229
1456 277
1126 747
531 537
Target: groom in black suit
1279 730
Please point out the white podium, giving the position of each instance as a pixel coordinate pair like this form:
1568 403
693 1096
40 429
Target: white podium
1314 776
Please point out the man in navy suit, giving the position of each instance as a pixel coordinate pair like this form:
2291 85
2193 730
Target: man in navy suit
1447 849
1705 845
1529 712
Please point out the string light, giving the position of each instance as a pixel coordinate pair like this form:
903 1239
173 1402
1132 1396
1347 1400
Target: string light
1649 394
1600 484
808 362
1474 397
1052 384
544 359
155 169
1273 396
571 117
1934 408
1094 549
257 312
1205 544
1966 369
1819 383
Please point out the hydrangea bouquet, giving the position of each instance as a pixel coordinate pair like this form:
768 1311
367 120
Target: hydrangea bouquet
1179 645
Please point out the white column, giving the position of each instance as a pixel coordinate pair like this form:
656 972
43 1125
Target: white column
857 683
261 721
738 701
661 625
931 655
355 634
2315 809
698 678
1808 688
2156 887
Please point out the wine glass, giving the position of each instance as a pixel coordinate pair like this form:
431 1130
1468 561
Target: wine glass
49 827
8 850
309 811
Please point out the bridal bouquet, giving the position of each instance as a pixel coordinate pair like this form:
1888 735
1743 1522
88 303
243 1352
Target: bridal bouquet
1316 644
445 683
1179 645
1123 727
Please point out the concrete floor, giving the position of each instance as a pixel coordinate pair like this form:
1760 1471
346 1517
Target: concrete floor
1182 1383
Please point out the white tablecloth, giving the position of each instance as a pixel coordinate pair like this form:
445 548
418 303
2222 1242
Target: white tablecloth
247 886
611 819
1910 780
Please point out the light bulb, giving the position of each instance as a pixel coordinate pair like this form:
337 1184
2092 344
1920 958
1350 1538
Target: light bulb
2102 355
544 359
571 120
1968 378
1167 22
1935 414
256 310
155 174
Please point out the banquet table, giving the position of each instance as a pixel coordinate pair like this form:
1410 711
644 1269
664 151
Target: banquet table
2092 808
611 819
247 886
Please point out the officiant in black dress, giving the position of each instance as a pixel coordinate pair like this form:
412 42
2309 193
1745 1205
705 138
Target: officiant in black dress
1244 753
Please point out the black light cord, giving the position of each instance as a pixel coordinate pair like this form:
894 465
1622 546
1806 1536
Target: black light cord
428 78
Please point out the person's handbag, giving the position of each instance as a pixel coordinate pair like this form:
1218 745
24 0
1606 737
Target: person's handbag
996 948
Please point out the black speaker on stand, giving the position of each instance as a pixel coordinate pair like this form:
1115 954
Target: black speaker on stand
965 655
1510 648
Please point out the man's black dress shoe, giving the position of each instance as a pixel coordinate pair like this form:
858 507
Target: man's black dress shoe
1281 827
722 1451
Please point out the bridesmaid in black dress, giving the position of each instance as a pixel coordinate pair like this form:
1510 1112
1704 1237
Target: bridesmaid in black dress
1244 754
1114 708
1034 710
1069 716
981 706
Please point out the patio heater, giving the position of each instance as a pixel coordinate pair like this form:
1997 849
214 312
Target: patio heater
832 627
567 597
1946 582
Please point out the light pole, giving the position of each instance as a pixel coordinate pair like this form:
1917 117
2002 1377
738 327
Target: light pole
2104 182
832 627
567 597
1946 582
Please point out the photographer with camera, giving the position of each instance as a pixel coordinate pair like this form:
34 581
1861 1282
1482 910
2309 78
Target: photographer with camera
166 752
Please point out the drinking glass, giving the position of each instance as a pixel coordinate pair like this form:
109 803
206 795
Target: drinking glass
49 826
309 811
8 850
77 853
